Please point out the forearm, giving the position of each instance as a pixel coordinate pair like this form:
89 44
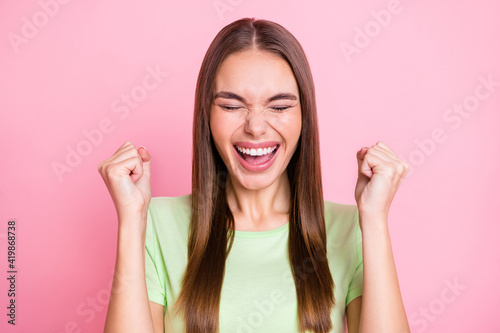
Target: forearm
128 309
382 309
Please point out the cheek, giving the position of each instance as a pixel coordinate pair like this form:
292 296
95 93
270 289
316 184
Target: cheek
221 127
289 126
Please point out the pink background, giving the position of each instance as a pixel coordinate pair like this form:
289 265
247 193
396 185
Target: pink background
66 67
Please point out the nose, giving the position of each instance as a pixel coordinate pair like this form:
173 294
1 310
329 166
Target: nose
256 123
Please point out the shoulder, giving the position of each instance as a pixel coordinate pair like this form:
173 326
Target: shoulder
166 214
340 215
341 222
171 204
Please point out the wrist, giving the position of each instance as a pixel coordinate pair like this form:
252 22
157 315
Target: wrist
132 213
373 221
372 213
133 221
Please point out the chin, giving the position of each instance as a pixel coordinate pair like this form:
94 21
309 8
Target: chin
257 182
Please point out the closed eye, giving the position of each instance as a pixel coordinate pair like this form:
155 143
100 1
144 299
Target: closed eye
280 108
230 108
234 108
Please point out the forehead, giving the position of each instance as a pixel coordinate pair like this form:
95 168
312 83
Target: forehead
255 73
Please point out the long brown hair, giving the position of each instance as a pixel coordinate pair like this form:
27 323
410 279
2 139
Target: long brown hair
212 223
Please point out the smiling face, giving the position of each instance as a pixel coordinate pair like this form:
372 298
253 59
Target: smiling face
255 118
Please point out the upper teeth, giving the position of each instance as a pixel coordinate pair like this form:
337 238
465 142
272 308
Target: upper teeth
256 152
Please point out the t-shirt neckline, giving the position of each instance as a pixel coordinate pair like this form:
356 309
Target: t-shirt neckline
261 234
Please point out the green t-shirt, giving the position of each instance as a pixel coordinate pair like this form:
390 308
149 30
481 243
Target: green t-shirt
258 292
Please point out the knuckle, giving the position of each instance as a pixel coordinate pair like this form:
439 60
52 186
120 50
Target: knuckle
102 167
126 148
401 169
110 170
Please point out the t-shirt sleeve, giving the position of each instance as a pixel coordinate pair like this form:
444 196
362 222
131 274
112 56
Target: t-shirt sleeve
156 292
356 284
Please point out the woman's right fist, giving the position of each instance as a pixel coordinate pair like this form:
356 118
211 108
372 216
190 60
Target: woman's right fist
127 176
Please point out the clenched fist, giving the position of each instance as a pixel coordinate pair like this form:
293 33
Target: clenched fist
127 176
380 173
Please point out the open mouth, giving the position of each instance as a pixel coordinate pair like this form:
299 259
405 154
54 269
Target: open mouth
257 156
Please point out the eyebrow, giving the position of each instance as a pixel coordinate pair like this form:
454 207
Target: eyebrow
230 95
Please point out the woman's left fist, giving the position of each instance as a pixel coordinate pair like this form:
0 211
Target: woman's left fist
380 172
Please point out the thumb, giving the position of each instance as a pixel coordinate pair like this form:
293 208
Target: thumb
146 160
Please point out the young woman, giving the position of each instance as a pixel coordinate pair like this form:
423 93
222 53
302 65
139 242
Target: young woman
254 247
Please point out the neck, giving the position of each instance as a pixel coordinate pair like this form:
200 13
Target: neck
262 209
